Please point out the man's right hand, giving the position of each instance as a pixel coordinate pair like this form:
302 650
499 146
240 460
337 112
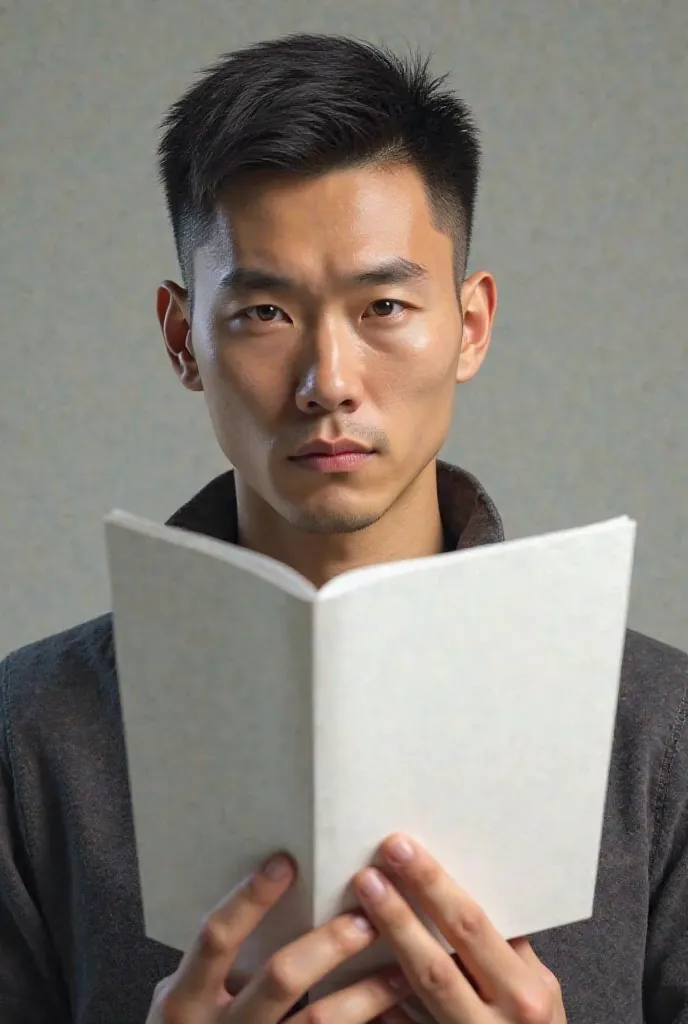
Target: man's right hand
198 993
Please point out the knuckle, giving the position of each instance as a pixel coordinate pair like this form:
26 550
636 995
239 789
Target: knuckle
281 978
214 937
468 923
317 1013
438 976
551 983
534 1005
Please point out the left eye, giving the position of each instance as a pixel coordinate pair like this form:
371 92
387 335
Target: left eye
384 308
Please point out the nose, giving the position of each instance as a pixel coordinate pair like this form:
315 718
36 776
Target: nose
331 378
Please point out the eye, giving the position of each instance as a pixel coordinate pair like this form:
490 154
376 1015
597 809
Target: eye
264 313
384 308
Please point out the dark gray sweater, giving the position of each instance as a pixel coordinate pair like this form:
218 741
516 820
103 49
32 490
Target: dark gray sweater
72 944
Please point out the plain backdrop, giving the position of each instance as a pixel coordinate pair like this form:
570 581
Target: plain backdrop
581 411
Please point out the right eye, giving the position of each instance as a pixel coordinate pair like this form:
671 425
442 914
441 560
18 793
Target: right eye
264 313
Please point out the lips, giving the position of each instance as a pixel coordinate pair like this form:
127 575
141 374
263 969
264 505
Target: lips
332 448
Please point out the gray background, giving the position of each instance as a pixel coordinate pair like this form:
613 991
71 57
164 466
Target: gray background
581 410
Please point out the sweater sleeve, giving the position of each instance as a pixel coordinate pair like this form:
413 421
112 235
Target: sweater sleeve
666 961
31 991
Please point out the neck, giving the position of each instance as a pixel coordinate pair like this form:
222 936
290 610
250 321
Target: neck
411 528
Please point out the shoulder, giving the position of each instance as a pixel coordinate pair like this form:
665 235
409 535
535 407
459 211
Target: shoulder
45 677
653 695
650 758
645 656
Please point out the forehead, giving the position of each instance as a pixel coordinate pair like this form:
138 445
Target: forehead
310 228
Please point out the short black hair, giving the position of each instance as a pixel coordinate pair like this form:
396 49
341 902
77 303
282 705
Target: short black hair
306 104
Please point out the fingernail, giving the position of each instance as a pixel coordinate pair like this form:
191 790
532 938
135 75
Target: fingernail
362 923
372 885
399 851
277 868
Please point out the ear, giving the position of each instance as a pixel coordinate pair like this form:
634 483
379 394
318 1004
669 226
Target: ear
175 323
478 305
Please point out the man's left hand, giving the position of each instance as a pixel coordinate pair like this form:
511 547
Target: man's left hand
489 981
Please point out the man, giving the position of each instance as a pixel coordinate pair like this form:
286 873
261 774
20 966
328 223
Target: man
321 193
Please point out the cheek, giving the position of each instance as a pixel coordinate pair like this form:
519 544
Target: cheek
245 392
422 371
247 389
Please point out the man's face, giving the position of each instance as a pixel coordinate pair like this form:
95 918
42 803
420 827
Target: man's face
325 310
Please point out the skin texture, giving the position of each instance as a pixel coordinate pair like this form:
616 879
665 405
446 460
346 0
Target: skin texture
378 362
325 359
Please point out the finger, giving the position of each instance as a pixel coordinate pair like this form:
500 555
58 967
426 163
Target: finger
493 965
203 970
430 970
395 1016
526 952
296 968
365 1001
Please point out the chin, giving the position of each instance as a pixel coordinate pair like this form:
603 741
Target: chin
334 520
324 505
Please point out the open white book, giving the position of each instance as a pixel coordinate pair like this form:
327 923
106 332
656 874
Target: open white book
468 699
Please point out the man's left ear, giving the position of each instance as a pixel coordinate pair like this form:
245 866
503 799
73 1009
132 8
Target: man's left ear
478 298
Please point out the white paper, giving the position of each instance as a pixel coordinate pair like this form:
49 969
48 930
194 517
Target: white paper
468 699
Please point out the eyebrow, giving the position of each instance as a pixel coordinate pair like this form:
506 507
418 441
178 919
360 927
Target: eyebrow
394 271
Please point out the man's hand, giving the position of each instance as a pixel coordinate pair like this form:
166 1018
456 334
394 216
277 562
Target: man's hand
489 981
198 991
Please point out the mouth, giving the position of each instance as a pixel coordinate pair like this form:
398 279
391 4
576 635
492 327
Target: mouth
343 456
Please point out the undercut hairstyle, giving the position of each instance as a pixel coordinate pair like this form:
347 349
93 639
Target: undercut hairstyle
307 104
